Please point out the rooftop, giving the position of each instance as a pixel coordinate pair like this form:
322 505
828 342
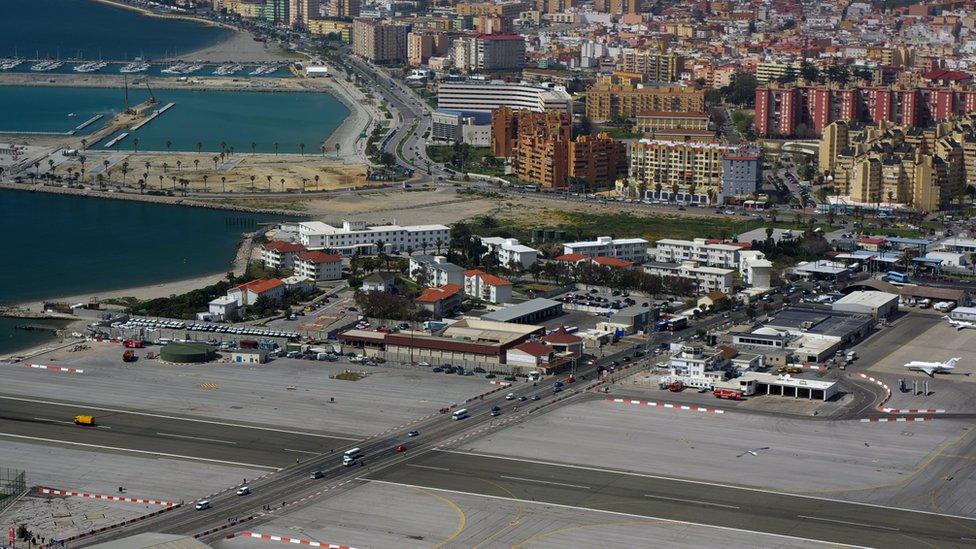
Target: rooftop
433 295
518 310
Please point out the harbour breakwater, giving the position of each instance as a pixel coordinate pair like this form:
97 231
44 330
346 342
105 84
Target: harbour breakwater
153 198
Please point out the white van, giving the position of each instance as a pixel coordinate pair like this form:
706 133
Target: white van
350 456
460 414
203 504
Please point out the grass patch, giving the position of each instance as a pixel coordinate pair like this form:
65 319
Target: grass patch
619 132
537 287
348 376
621 225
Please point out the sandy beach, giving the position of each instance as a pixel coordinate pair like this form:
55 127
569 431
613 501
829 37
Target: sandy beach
240 47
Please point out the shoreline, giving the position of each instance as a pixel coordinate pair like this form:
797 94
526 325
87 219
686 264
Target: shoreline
150 13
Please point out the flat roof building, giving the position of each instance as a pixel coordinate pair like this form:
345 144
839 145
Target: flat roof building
488 95
357 235
527 312
877 304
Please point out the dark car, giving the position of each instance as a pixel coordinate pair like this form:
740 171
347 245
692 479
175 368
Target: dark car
317 474
438 370
535 397
413 434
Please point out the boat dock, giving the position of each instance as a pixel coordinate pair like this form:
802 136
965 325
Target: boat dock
151 117
116 139
89 122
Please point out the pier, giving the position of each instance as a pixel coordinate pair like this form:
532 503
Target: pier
88 122
150 118
116 140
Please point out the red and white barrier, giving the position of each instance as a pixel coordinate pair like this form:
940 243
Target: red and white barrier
666 405
881 384
893 419
58 369
285 539
813 367
913 411
502 383
123 499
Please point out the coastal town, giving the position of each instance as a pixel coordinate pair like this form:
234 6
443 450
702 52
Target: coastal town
491 274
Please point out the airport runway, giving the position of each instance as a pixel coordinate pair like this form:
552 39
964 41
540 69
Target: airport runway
159 434
690 501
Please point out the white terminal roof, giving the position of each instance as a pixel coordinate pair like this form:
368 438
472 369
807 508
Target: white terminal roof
786 380
867 299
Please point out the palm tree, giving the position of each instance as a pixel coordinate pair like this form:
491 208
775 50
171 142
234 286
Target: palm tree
304 181
135 145
37 166
142 186
173 177
282 184
254 147
316 181
252 183
215 158
168 145
1 173
223 147
50 164
84 144
204 182
148 165
165 167
179 165
160 182
199 147
323 150
125 170
301 148
105 163
223 184
269 183
337 149
276 148
196 163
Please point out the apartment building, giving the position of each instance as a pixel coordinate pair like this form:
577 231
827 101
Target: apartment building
655 66
654 121
621 101
356 236
300 12
318 266
344 8
488 95
804 110
489 52
741 171
699 250
925 169
379 41
486 287
678 171
755 269
508 251
598 160
332 26
617 7
435 271
280 255
631 249
707 279
422 45
499 9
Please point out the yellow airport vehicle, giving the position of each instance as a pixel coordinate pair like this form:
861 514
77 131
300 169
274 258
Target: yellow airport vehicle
84 420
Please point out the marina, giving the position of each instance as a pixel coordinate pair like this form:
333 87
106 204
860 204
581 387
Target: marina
148 68
93 66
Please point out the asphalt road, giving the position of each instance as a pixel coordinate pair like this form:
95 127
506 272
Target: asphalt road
679 500
227 442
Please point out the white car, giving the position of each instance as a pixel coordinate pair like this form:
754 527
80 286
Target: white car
203 504
510 396
244 490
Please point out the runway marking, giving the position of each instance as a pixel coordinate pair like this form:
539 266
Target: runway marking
148 452
209 386
546 482
301 451
695 501
861 524
718 484
178 418
47 420
607 512
428 467
188 437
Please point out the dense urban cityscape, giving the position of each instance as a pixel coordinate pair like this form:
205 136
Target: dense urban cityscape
501 273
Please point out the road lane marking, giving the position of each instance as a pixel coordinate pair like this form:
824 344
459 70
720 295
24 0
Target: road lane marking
204 439
695 501
545 482
178 418
301 451
705 482
48 420
861 524
428 467
618 513
148 452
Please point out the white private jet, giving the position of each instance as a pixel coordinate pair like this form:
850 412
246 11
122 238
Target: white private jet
932 368
959 324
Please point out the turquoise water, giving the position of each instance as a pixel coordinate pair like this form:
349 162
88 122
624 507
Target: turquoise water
238 119
92 30
206 117
68 245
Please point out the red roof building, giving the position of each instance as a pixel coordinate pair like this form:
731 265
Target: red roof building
571 258
612 262
487 287
442 300
280 255
248 293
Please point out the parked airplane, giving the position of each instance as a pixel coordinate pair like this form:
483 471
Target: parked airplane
959 324
932 368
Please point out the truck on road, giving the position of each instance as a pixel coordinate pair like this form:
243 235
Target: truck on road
84 420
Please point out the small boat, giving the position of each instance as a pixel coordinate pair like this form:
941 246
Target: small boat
134 67
71 114
8 64
192 69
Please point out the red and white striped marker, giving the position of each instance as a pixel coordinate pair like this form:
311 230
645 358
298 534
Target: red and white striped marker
59 369
285 539
667 405
813 367
55 492
913 411
893 419
502 383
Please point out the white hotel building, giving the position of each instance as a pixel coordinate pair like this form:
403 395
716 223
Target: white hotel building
631 249
488 95
698 250
356 235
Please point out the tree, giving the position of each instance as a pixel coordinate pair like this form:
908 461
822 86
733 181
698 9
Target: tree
215 158
301 148
252 183
223 184
168 145
125 170
742 90
196 163
199 147
179 165
161 182
316 181
282 184
254 147
809 71
276 148
337 149
135 145
269 183
204 182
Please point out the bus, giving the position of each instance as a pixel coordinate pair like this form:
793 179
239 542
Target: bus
460 414
350 456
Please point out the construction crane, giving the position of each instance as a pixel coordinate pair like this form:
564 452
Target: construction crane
152 96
